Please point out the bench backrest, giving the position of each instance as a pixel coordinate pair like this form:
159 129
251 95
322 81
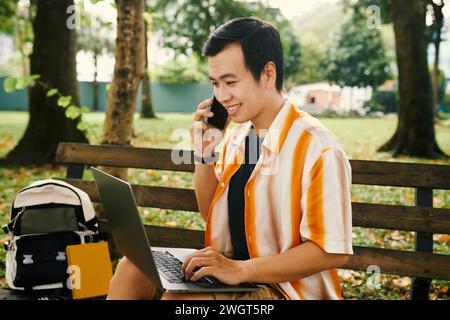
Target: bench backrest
422 219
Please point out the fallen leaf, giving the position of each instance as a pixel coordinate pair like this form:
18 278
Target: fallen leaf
170 224
443 238
397 245
349 277
437 201
396 235
344 274
401 282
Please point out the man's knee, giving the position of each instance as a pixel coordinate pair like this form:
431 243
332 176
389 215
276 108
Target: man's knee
129 281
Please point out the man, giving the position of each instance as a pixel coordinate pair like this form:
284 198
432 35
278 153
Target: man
277 202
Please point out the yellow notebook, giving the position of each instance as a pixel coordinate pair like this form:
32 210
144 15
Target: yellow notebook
89 269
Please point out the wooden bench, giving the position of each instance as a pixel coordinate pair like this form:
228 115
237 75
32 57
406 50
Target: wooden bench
421 264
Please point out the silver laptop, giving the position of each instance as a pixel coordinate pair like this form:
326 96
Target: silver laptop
161 265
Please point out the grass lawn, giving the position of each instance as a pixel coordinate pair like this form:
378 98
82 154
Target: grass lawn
360 138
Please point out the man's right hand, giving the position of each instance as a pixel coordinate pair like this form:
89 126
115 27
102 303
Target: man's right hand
205 138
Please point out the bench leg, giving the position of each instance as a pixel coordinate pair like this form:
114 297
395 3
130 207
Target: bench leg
75 171
424 243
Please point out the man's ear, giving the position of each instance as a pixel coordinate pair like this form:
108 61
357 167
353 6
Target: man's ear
270 74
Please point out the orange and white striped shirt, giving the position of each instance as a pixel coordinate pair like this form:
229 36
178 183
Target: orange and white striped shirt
299 190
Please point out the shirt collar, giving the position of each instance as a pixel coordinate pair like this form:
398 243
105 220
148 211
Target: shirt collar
277 132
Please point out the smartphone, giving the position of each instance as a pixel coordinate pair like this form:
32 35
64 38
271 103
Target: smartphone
220 115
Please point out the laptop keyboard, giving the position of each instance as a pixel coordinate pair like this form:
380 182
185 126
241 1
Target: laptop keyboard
170 268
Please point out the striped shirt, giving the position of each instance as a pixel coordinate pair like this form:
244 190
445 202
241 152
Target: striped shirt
298 191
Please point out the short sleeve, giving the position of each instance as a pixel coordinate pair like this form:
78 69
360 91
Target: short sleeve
220 164
326 203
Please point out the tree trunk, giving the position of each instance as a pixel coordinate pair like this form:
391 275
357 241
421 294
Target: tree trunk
147 107
435 81
415 130
53 57
439 23
128 69
95 84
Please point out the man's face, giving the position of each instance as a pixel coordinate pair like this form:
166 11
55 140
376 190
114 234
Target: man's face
234 85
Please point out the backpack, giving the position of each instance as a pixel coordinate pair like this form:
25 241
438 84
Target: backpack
46 216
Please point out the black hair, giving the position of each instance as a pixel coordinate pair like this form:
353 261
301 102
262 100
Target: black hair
259 40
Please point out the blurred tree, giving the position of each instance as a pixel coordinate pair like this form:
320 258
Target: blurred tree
435 37
182 70
128 69
415 135
94 37
312 55
442 85
16 19
7 13
184 26
53 58
356 57
147 106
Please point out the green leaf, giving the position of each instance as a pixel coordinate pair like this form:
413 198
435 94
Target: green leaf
22 83
84 109
72 112
64 101
82 126
52 92
9 85
35 76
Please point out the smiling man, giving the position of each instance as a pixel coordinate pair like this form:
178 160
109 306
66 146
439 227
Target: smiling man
277 201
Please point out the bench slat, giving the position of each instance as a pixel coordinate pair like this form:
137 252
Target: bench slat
405 218
121 156
364 172
400 174
366 215
148 196
404 263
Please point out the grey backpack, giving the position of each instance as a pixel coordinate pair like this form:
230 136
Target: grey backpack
46 216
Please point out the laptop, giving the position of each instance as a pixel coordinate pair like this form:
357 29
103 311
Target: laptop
159 264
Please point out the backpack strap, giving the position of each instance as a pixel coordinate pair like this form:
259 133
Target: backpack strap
92 238
92 225
8 228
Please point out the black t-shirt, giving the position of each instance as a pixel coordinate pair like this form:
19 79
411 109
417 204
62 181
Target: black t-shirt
236 200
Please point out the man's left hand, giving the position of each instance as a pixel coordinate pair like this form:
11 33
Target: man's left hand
207 262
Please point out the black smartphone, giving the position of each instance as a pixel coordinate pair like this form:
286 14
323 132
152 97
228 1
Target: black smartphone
220 115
